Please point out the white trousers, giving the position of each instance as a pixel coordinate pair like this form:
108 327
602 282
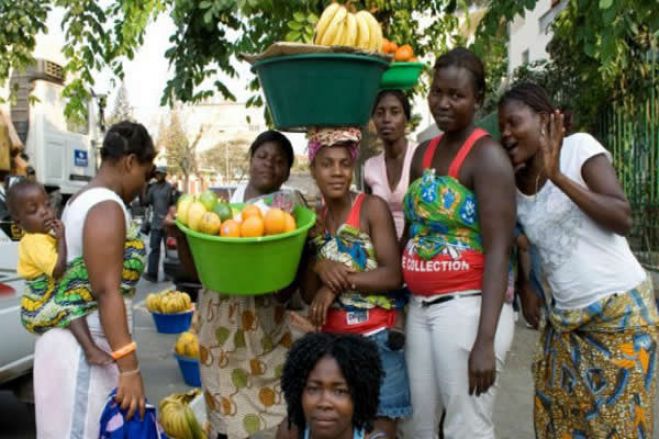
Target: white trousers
438 344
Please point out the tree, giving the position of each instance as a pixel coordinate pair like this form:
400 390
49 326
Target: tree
600 50
229 158
122 108
181 154
209 35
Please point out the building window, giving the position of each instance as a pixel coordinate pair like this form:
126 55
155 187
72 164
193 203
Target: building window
525 57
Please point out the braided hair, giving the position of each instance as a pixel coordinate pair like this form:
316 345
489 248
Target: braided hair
536 98
125 138
360 365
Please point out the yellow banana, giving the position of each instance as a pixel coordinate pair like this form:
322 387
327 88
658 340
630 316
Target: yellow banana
363 32
375 41
350 38
335 26
324 21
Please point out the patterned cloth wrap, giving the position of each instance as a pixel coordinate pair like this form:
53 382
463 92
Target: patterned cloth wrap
354 249
48 304
443 216
594 369
321 137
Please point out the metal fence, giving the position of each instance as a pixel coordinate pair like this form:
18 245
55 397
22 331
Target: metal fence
632 135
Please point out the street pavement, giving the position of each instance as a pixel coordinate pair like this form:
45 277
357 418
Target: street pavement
513 411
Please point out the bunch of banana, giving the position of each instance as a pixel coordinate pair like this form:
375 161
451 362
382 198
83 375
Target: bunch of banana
177 418
187 345
168 302
339 27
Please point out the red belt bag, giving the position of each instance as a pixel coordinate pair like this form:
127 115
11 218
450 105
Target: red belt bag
358 321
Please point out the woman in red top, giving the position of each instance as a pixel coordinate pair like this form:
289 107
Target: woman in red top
460 214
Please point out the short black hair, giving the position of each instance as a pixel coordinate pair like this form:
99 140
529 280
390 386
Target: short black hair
468 60
360 364
16 191
279 139
126 138
398 94
536 98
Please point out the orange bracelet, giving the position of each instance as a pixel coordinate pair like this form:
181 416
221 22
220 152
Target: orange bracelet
122 352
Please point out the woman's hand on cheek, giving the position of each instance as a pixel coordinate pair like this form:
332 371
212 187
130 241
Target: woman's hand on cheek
551 140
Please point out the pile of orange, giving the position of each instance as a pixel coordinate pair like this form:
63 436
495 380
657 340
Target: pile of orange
255 224
404 53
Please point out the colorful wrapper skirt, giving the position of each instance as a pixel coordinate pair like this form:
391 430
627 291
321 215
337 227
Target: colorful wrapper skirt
595 367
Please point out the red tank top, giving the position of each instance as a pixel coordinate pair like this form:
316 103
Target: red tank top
444 253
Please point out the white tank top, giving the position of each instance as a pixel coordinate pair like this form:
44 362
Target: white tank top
75 214
73 217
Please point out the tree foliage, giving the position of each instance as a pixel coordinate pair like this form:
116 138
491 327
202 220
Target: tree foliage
600 50
180 152
122 109
210 34
229 158
600 44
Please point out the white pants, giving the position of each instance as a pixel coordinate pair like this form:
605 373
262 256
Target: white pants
438 344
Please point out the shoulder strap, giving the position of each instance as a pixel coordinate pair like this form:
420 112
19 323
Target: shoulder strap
454 169
430 152
355 211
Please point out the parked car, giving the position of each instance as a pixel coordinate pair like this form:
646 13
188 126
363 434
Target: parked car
16 344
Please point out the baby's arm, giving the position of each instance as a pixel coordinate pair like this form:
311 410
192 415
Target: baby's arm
60 265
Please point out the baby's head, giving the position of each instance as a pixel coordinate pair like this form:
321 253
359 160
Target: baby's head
29 206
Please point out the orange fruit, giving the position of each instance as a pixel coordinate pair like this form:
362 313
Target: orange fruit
393 47
230 228
289 224
251 210
413 59
252 227
274 221
386 45
404 53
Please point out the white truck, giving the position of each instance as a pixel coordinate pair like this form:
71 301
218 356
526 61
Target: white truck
64 158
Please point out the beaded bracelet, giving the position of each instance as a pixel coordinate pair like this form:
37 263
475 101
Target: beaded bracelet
130 372
123 351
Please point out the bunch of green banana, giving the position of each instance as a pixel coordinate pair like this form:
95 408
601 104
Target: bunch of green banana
177 418
339 27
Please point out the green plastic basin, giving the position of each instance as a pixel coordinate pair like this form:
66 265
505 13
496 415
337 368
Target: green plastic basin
320 89
249 266
401 75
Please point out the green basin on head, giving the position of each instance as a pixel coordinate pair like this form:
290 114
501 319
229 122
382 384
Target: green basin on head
320 89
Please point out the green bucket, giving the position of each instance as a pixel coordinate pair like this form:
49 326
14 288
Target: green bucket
249 266
320 89
401 75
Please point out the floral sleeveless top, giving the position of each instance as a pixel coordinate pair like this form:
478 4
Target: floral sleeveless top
353 248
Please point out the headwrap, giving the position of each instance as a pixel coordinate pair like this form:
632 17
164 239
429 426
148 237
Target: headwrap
321 137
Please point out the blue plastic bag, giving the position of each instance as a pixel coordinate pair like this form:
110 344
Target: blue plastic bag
115 426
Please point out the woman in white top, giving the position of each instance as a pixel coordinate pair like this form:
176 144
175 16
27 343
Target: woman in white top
69 393
387 175
595 370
